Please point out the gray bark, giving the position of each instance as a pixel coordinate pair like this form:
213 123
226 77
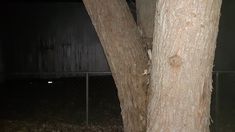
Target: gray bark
126 56
184 42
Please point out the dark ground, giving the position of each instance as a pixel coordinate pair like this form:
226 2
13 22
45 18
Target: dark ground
36 106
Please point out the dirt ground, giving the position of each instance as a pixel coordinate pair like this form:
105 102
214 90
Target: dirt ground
37 106
34 105
25 126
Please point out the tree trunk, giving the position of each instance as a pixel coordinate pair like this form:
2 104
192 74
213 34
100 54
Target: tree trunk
126 56
183 52
145 10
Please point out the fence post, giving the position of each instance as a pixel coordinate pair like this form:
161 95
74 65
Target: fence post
87 98
217 102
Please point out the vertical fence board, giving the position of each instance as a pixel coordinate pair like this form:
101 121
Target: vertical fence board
51 38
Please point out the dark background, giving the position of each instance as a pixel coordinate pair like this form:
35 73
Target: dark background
55 40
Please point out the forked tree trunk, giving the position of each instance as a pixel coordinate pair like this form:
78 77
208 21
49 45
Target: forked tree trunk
183 53
126 56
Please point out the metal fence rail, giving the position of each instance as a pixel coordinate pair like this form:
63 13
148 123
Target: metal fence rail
49 75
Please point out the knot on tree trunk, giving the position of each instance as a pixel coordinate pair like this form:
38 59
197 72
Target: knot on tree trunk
175 61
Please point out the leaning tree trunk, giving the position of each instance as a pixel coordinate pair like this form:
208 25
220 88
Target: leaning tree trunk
183 52
126 56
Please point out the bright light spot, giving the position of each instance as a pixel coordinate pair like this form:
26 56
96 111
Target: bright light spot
49 82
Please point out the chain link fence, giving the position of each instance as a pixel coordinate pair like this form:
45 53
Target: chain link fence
90 98
85 97
222 105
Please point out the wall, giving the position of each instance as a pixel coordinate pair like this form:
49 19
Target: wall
50 37
225 55
59 37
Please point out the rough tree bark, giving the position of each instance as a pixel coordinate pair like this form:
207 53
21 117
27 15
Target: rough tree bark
185 34
126 56
181 78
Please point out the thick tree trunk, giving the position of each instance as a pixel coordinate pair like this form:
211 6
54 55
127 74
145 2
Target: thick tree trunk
126 56
183 52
